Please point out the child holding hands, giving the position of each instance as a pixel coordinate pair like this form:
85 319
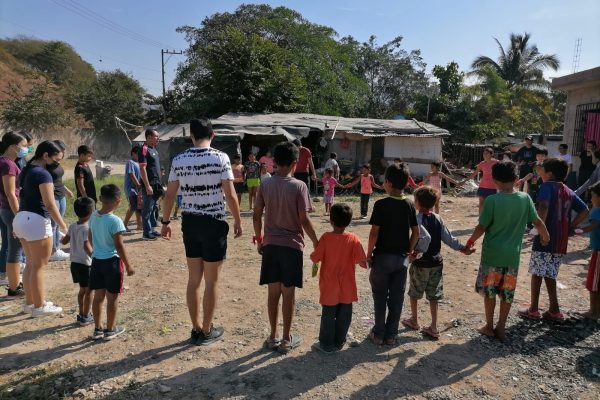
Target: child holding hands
338 251
367 183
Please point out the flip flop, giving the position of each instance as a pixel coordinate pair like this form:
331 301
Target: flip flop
375 340
287 345
530 314
430 333
410 324
556 317
391 341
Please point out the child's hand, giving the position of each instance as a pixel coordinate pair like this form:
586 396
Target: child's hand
544 239
165 232
259 248
130 271
467 251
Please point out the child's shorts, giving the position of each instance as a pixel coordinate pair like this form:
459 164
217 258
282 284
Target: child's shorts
328 199
497 281
281 264
80 274
426 280
240 187
107 274
253 182
544 264
592 282
133 203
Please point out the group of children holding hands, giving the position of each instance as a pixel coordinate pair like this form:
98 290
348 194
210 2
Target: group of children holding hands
404 243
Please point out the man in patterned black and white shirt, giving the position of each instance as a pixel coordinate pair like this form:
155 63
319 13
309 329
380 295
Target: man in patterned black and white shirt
203 174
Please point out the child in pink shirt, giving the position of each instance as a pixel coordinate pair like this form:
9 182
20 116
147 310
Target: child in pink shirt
367 183
329 185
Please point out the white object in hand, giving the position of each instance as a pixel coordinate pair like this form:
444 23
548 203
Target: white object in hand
578 231
533 232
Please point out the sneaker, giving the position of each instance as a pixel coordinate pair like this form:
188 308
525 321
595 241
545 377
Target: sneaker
194 337
47 309
151 237
28 308
18 293
155 234
84 320
98 334
215 334
113 333
59 255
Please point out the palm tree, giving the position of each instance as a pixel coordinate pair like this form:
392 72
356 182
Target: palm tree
521 65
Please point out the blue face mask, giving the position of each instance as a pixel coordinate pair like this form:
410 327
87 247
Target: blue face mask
30 149
22 152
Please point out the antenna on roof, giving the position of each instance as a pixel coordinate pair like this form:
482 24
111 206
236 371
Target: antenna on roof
576 55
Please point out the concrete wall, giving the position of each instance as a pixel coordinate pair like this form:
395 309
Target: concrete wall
418 152
575 98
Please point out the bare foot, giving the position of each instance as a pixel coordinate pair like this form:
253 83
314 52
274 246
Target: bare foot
500 334
589 315
487 331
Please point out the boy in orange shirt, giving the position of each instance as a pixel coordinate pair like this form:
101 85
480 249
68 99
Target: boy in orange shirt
338 251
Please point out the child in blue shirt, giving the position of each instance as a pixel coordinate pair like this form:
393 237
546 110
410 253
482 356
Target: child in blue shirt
108 258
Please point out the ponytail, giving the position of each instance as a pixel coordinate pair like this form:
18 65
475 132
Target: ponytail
9 139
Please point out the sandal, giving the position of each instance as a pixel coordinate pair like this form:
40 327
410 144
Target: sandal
556 317
271 343
530 314
430 333
377 341
409 323
286 345
391 341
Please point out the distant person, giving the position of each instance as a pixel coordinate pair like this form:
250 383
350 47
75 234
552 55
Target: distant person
394 235
108 258
305 165
571 178
534 179
487 187
81 257
252 174
267 159
586 167
329 185
435 178
285 204
503 220
338 252
507 156
206 181
239 177
152 189
593 178
367 183
133 189
555 205
61 192
333 164
32 226
526 157
84 179
264 172
12 147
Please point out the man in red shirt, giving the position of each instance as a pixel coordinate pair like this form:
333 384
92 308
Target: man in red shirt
305 164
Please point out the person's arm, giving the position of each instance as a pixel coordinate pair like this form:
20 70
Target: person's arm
477 233
374 184
257 223
47 192
120 247
319 252
144 175
80 186
542 209
425 180
9 183
580 217
412 183
449 239
591 180
542 231
68 192
446 177
354 182
308 227
414 238
67 239
591 227
134 179
87 246
167 207
474 174
234 207
311 166
373 235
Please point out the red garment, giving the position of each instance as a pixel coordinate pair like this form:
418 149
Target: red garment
411 182
338 254
302 165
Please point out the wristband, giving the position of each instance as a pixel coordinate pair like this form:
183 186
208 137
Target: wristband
470 243
165 222
257 239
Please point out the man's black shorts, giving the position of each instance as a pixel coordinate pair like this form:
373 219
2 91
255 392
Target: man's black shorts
107 274
281 264
204 237
80 274
133 203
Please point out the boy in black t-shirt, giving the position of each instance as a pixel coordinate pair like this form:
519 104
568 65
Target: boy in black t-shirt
84 180
394 235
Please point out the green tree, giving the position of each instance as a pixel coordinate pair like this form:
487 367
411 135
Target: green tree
520 65
111 94
450 80
36 110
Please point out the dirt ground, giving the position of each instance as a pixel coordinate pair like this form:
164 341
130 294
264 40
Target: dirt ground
52 358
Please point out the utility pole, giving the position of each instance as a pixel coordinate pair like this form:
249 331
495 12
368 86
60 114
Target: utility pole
162 64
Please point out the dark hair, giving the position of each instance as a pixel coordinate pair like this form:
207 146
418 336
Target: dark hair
237 157
47 146
329 171
426 196
595 188
26 135
9 139
592 142
285 153
543 151
558 168
135 149
83 149
60 144
149 132
437 164
333 155
83 207
340 215
367 166
398 160
201 128
504 171
563 146
297 142
489 150
397 175
110 192
251 154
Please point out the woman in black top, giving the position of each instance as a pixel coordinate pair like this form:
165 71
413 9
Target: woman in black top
60 193
587 165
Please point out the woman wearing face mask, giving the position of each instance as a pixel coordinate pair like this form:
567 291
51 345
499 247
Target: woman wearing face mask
22 160
32 225
60 193
12 146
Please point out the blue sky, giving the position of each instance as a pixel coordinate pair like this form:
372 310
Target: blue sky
445 31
